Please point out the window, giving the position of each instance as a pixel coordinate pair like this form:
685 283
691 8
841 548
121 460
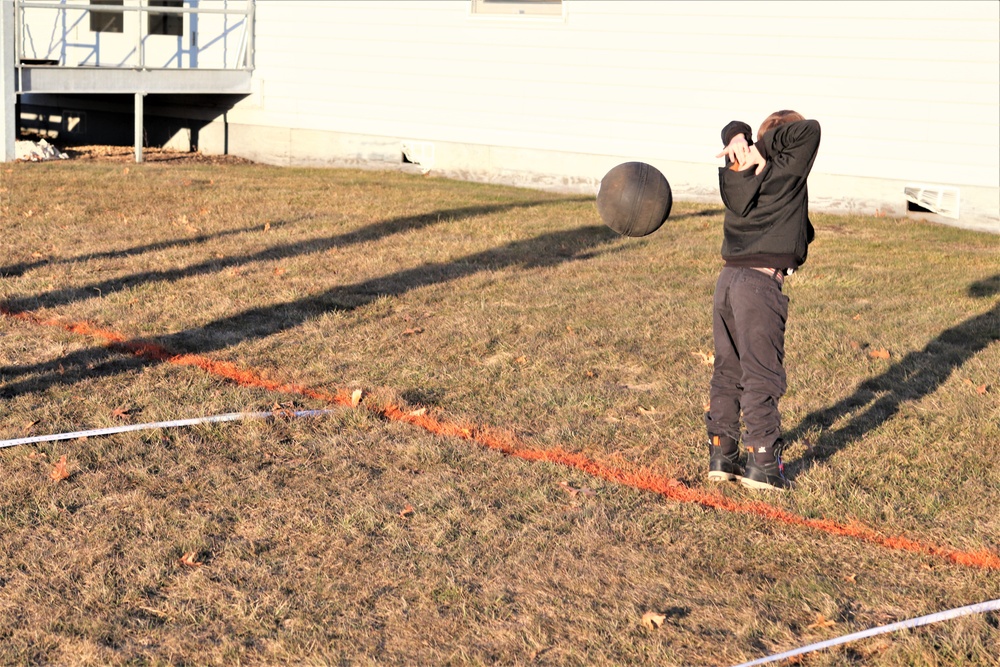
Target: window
513 7
166 24
107 21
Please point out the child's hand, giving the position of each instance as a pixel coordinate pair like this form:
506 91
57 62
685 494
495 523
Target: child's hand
755 158
737 151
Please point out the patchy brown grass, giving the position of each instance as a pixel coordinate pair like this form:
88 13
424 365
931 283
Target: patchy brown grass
361 539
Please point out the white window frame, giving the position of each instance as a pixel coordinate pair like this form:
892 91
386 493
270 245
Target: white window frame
165 24
106 22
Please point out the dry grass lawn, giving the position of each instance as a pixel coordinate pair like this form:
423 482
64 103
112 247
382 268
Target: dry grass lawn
354 538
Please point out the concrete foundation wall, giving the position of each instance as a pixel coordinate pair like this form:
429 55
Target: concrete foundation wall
564 171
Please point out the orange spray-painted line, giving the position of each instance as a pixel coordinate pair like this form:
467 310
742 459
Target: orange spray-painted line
642 479
674 490
159 353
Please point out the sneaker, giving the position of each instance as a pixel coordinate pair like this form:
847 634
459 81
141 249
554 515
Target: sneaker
724 463
768 475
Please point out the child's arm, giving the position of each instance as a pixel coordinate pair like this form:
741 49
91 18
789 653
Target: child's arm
739 187
791 148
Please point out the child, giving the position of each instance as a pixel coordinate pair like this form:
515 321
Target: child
766 237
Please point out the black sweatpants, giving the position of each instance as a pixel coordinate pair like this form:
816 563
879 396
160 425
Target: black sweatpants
749 314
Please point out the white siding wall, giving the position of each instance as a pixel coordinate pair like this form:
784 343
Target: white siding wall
905 91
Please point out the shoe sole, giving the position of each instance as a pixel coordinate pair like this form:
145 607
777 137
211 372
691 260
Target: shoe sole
760 486
719 476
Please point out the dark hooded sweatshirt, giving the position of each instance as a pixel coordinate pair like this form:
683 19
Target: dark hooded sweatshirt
767 215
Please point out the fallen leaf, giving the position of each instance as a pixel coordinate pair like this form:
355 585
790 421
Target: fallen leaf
413 331
121 413
821 622
27 427
153 612
356 398
574 492
188 560
267 226
279 271
521 360
880 353
567 488
285 411
641 387
125 171
851 578
856 317
651 620
855 345
982 389
534 655
407 511
706 358
59 470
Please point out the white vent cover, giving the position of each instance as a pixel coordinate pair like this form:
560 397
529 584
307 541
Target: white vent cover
940 199
419 153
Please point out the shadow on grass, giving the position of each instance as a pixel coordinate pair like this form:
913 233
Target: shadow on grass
19 269
62 297
547 250
911 378
542 251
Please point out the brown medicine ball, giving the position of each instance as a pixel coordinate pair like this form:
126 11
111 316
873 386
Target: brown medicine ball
634 199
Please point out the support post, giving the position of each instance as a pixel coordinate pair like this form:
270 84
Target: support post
8 82
138 126
250 29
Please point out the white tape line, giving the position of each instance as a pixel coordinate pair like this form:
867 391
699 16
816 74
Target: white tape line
992 605
232 416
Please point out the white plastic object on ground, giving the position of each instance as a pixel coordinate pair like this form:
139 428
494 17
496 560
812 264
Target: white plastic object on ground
992 605
232 416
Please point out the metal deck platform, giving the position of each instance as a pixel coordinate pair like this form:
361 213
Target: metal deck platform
136 47
117 80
